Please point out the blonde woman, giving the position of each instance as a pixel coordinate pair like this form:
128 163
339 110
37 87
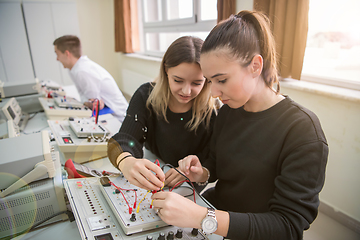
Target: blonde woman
172 117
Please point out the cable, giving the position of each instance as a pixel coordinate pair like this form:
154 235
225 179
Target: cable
96 108
67 212
138 208
33 116
119 188
181 182
100 139
35 131
192 185
188 187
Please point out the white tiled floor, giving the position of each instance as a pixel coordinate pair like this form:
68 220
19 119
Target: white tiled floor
326 228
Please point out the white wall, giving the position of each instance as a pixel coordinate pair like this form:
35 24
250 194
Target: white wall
340 120
97 24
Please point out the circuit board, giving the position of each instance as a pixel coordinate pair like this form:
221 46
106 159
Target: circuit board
84 127
141 217
83 149
96 219
67 102
54 112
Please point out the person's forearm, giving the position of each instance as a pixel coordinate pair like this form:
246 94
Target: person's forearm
223 220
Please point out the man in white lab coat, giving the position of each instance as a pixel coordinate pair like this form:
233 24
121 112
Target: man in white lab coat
91 80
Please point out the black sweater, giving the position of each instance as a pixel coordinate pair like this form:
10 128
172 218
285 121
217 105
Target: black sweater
270 167
170 141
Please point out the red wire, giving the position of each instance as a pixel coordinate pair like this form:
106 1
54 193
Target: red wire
170 190
157 162
119 188
96 108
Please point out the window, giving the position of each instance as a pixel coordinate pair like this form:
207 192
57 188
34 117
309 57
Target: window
333 44
163 21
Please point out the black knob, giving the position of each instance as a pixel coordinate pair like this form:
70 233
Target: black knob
179 233
195 231
161 236
170 235
133 217
149 237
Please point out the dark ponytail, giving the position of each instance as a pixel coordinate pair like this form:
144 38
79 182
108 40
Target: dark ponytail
243 36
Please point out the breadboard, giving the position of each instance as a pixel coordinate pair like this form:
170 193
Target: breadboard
84 127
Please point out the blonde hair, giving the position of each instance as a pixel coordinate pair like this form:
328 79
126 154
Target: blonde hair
183 50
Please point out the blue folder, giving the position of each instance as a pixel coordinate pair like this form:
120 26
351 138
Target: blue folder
105 110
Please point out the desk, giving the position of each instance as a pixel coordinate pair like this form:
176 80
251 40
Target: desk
37 123
66 229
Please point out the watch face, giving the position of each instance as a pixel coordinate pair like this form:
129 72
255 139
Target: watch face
209 224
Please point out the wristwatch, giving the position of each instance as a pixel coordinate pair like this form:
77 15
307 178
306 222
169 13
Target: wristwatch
209 224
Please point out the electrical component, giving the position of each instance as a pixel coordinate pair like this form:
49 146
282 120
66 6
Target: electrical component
96 219
54 112
84 149
85 127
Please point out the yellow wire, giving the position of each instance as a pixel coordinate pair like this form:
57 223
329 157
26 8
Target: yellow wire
138 208
159 190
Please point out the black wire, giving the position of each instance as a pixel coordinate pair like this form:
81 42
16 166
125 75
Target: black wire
67 212
35 131
192 185
188 187
33 116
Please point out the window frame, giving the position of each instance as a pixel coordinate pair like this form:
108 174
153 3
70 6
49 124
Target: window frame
191 24
336 82
328 80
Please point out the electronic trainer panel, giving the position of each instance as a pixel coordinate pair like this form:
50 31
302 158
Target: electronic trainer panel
66 102
85 127
54 112
132 218
93 146
96 218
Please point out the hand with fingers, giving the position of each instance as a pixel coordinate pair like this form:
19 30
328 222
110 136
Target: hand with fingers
177 210
193 169
140 172
172 177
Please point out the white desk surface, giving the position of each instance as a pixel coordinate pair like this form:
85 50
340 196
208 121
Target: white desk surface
38 122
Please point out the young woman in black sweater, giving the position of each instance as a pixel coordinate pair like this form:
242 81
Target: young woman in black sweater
267 153
172 117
